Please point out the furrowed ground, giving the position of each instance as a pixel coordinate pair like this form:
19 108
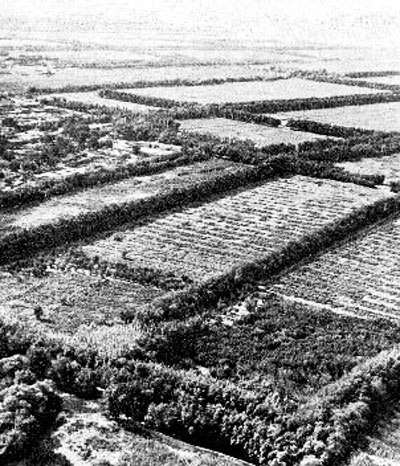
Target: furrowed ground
210 239
291 88
376 117
361 277
261 135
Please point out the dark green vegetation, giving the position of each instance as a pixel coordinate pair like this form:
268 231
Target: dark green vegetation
288 345
256 420
28 406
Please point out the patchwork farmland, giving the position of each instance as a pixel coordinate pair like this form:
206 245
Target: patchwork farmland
210 239
173 253
292 88
261 135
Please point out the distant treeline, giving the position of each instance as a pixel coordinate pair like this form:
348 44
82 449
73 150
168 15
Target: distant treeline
372 74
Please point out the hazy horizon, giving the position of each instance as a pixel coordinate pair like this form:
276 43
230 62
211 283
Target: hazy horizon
363 23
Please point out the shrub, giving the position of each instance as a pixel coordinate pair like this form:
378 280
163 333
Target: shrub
25 412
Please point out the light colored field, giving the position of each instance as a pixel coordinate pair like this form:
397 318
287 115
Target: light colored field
389 166
130 190
261 135
293 88
29 76
210 239
362 277
93 98
379 117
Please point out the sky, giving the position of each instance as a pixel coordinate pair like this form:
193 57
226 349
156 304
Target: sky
331 22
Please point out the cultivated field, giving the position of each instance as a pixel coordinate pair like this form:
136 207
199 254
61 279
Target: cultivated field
261 135
361 277
124 192
158 288
93 98
378 117
210 239
388 166
29 76
293 88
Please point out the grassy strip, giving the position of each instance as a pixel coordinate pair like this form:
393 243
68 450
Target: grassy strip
199 298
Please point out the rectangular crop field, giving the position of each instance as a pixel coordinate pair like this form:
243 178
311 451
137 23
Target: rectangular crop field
208 240
293 88
389 166
261 135
378 117
93 98
74 76
362 277
126 191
